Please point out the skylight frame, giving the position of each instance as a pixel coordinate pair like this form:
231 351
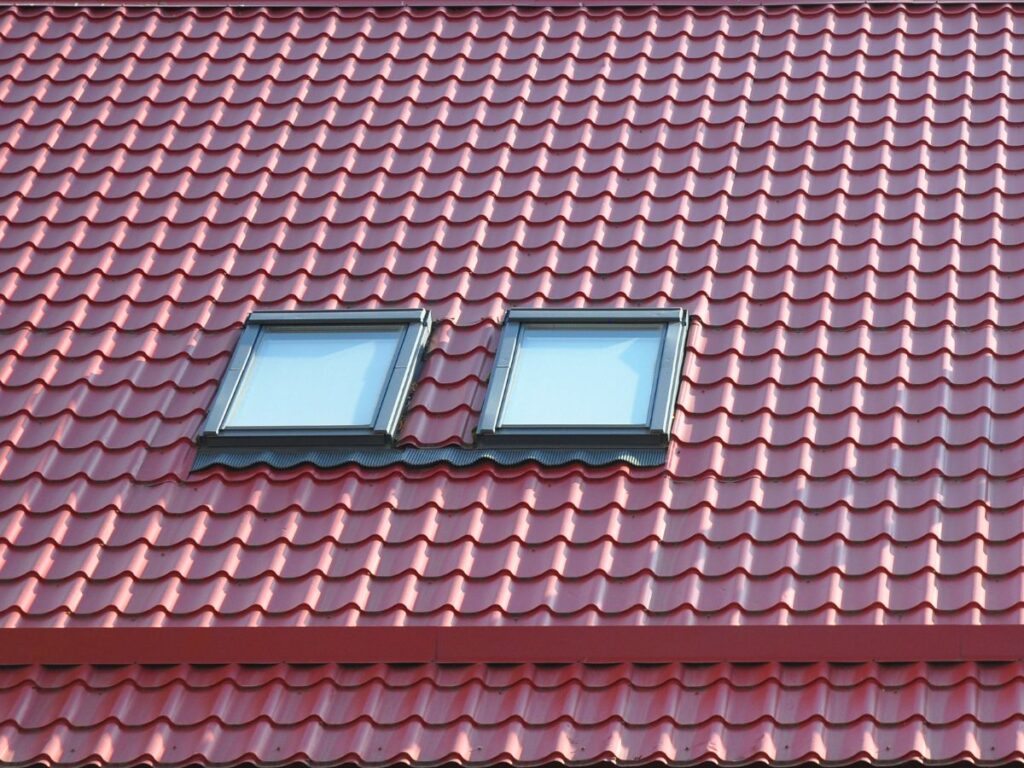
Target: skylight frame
668 373
415 328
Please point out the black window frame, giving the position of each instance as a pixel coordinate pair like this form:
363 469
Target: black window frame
663 400
415 326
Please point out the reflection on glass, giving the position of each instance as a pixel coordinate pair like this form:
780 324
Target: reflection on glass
583 376
314 378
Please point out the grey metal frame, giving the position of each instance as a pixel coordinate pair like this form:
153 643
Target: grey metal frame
416 329
666 388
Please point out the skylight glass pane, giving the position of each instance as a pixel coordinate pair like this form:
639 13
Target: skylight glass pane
315 378
583 376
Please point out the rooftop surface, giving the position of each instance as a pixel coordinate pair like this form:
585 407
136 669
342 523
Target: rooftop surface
831 192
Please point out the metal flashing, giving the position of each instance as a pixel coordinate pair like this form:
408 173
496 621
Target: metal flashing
327 457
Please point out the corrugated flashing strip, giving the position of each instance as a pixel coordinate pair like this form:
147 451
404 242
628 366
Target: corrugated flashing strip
287 458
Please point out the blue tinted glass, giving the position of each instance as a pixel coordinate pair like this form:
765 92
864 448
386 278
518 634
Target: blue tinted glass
315 378
583 376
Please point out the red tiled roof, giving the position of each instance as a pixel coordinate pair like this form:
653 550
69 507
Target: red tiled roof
478 715
831 192
822 188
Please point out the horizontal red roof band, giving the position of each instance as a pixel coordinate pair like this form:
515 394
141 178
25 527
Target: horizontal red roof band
523 4
503 645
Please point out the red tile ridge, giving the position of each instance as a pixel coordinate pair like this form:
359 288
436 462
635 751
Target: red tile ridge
506 644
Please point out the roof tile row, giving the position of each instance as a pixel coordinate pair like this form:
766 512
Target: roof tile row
477 715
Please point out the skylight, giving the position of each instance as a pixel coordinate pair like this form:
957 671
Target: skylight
585 375
339 376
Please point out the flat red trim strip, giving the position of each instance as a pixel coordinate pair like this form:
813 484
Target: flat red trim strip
252 645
